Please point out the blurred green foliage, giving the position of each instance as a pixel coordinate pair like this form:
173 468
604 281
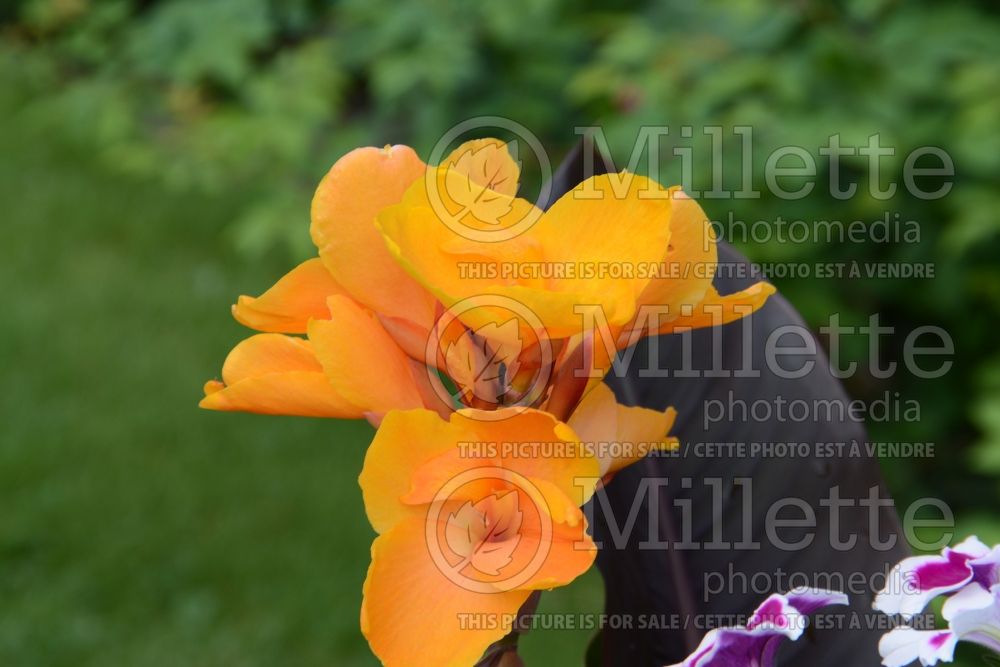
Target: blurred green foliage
158 158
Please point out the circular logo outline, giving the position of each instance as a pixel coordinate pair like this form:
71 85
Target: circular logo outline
436 507
521 311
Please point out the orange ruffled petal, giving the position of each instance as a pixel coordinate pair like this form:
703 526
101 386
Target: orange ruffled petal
362 361
620 434
278 375
405 440
287 307
716 310
357 187
413 615
448 577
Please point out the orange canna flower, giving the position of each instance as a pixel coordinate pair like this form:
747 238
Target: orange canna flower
366 319
470 523
478 506
395 237
615 259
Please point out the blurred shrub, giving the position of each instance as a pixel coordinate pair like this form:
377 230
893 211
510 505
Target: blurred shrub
261 96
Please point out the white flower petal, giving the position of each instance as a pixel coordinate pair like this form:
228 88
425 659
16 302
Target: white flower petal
903 646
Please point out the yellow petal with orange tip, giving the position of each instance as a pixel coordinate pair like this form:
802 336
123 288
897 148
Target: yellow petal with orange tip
414 615
619 434
716 310
279 375
362 361
356 188
287 307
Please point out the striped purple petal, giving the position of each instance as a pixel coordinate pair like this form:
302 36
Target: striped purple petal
914 582
779 617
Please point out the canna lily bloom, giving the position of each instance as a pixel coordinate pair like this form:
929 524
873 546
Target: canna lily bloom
472 516
780 617
399 275
915 581
362 312
969 575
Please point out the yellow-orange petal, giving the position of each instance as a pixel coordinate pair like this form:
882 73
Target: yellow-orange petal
287 307
716 310
405 440
569 553
362 361
553 502
527 547
689 263
295 394
488 163
415 616
263 354
276 374
535 444
619 434
617 226
433 237
356 188
598 246
409 336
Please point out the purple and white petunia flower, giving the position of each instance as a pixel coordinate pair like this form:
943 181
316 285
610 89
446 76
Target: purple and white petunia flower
969 575
973 615
779 617
914 582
